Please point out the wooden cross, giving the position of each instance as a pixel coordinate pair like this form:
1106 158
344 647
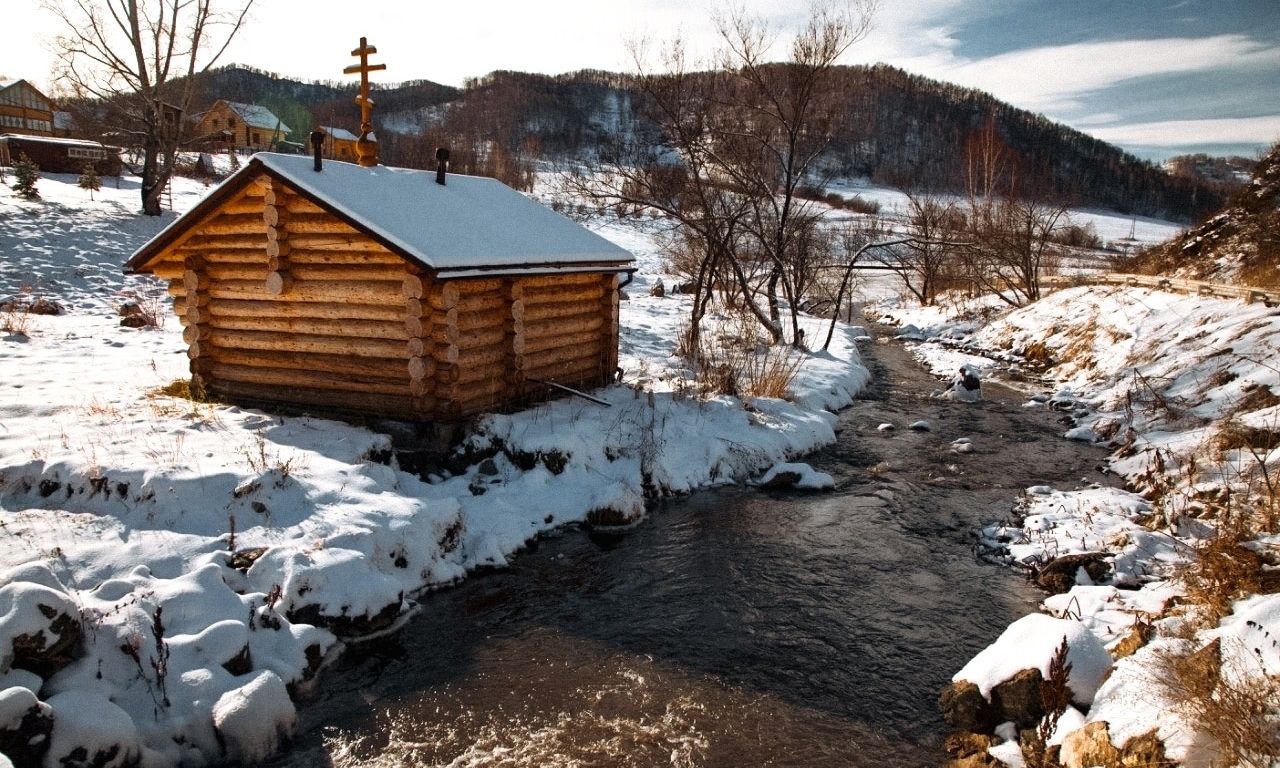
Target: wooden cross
366 147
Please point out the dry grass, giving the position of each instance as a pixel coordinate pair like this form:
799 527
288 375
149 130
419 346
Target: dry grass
1233 435
738 361
1234 705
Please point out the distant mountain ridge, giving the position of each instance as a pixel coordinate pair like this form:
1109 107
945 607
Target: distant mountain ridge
901 129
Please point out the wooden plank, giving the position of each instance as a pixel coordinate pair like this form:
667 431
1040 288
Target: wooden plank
290 309
329 345
355 258
361 292
387 369
571 326
568 295
356 329
291 378
560 281
586 340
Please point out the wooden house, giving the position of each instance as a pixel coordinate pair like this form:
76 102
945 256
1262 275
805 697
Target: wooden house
389 292
339 143
241 126
55 154
24 109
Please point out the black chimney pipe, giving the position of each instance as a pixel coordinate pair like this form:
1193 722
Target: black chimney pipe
442 158
317 142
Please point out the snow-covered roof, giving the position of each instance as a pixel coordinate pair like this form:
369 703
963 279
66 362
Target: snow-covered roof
257 116
8 83
470 223
341 134
57 140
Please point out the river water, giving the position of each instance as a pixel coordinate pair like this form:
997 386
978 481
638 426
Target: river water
731 628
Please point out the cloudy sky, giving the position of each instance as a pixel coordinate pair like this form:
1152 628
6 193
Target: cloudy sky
1157 77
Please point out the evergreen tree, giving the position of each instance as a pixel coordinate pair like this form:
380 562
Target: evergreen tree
89 179
26 173
235 161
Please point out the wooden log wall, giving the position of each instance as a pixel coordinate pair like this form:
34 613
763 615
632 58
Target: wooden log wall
282 302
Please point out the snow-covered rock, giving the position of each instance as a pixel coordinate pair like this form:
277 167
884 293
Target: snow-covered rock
796 475
1030 643
253 720
89 729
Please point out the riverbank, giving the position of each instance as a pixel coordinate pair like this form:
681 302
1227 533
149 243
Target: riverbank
1174 578
175 570
732 627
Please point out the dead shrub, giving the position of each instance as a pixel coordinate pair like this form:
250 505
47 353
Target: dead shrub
738 361
180 388
1223 570
1232 435
1231 703
1037 352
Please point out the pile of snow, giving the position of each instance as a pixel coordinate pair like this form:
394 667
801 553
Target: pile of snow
1030 643
216 556
797 475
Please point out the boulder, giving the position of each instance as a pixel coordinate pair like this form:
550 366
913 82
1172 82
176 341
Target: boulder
39 627
964 708
1018 699
25 725
781 481
1091 745
253 721
1059 575
90 730
658 290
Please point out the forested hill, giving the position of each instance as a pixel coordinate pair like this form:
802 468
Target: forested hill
900 129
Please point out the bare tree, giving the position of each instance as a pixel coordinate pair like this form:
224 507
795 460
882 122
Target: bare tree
140 58
928 260
735 144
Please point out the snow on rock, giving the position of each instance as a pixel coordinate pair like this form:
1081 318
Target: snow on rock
886 427
1106 520
920 426
88 729
796 475
253 720
1030 643
25 724
39 626
966 387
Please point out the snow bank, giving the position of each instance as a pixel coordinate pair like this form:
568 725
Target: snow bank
1030 643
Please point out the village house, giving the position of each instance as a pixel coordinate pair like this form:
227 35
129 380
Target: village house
24 109
339 143
386 292
234 125
60 155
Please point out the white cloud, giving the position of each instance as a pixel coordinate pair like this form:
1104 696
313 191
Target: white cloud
1264 129
1053 79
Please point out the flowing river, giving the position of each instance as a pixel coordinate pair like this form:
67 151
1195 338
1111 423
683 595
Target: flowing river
731 628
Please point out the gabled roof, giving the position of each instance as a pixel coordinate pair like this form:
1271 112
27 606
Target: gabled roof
7 84
341 134
471 223
256 116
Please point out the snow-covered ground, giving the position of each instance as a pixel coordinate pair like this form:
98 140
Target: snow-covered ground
1110 226
170 569
1183 389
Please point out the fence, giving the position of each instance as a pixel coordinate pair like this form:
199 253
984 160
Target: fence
1270 298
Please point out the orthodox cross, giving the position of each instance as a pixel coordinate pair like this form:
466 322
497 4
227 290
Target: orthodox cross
366 147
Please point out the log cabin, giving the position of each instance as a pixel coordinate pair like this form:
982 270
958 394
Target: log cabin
386 292
241 126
